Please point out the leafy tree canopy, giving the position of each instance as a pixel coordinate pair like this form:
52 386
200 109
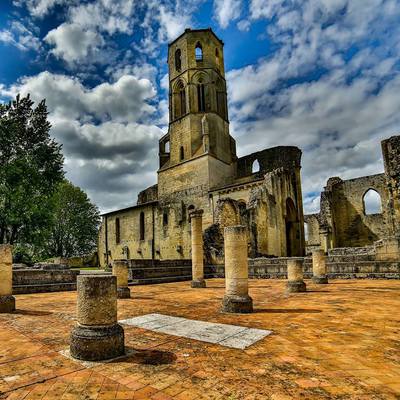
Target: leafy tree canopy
75 222
31 167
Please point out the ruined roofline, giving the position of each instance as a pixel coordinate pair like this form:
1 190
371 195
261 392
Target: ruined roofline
391 138
189 30
129 208
341 181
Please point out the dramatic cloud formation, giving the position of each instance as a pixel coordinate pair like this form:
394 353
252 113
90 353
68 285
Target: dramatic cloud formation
108 146
326 88
319 74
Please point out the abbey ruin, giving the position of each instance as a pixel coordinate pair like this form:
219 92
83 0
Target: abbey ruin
199 169
218 221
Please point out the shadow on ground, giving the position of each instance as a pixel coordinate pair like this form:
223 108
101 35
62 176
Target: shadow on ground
286 311
32 312
150 357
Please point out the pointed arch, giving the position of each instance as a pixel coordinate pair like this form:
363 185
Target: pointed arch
198 52
255 167
179 99
201 81
372 202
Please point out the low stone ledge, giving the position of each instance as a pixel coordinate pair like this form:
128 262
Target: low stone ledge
44 288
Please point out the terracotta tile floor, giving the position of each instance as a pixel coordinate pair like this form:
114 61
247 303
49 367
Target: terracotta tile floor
340 341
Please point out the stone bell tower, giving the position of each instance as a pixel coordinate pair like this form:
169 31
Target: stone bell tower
198 138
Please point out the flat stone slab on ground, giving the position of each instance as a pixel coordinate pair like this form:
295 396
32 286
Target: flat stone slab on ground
237 337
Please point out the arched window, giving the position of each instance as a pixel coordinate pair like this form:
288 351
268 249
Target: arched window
166 147
255 167
117 231
372 202
181 153
198 51
201 98
178 60
179 98
141 226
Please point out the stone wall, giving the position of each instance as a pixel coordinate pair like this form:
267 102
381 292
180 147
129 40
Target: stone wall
199 169
143 272
391 158
338 267
343 220
43 280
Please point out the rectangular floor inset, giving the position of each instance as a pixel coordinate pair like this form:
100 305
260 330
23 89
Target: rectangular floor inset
238 337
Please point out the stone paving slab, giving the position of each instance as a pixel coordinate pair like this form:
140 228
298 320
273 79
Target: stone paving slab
339 341
237 337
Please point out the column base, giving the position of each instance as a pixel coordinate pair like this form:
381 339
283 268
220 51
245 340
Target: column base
198 283
7 304
296 287
123 293
97 343
237 304
320 280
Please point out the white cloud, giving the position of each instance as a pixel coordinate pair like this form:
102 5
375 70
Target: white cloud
140 71
20 36
226 11
336 106
72 43
40 8
125 100
110 147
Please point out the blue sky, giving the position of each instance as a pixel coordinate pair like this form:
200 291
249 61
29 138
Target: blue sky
319 74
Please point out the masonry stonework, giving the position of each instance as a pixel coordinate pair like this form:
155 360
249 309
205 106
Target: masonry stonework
199 169
7 300
97 335
236 299
343 220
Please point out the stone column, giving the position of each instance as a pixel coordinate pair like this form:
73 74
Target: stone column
319 267
295 275
198 281
120 270
7 300
97 336
236 299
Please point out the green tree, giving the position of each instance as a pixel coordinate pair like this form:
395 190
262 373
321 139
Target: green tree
75 222
31 166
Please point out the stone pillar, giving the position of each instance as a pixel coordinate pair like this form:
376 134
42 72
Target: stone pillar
324 238
319 267
7 300
236 299
295 275
198 281
97 336
120 270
